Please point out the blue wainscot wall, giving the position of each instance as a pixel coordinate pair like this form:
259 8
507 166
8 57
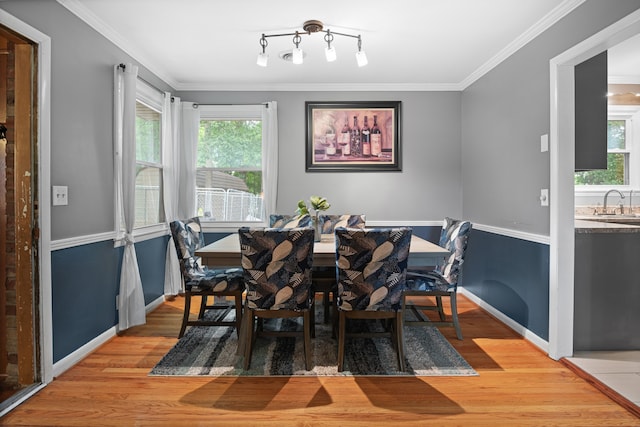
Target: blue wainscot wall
512 276
509 274
84 283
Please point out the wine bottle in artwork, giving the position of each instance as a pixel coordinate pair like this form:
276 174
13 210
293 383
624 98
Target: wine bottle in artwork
376 138
330 141
344 139
366 138
356 148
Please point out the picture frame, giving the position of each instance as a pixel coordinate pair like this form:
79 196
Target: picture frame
330 148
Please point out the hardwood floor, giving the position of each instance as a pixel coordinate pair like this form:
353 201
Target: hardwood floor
517 385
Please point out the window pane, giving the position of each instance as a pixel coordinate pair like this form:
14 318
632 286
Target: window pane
230 144
615 134
615 174
149 203
229 170
147 134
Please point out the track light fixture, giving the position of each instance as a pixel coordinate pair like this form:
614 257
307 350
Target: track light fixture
310 27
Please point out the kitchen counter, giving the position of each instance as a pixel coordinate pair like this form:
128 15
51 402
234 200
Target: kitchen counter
605 225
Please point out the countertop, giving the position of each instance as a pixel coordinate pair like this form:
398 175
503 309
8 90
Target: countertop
583 225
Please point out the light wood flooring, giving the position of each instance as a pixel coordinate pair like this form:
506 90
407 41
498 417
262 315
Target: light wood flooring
518 385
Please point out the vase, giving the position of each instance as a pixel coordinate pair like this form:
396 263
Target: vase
316 227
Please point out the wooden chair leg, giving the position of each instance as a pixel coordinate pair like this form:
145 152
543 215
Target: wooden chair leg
248 345
306 326
238 302
454 314
185 316
203 306
326 305
440 308
397 327
341 334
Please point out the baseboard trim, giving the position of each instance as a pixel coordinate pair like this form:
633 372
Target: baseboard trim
521 330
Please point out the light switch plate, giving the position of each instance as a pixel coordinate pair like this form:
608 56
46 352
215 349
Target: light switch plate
544 197
544 143
60 195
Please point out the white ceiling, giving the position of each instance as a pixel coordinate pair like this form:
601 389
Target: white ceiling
410 44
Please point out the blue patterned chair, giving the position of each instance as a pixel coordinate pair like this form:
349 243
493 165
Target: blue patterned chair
204 282
277 275
442 281
324 279
289 221
371 273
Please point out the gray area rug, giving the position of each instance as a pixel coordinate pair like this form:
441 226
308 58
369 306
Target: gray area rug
211 351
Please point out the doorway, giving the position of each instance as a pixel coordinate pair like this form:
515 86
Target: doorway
562 152
20 361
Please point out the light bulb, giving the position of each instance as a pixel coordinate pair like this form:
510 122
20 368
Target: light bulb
263 58
361 58
297 56
330 53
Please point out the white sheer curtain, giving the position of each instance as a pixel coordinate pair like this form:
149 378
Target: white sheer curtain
187 169
270 156
171 157
131 307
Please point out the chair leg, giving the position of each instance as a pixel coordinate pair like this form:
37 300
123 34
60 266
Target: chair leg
238 302
185 316
326 305
203 306
341 334
248 345
440 308
306 326
454 314
399 339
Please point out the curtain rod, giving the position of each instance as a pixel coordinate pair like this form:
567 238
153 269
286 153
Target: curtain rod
145 81
196 104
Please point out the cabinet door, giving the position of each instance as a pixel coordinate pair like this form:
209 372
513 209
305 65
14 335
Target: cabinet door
591 113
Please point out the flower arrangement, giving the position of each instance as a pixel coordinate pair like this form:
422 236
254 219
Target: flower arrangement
317 204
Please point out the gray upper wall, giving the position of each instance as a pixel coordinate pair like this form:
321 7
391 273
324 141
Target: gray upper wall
427 188
474 154
81 115
504 114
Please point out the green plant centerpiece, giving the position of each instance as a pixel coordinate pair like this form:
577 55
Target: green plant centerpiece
317 204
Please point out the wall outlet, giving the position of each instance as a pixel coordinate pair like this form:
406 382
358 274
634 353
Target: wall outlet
544 197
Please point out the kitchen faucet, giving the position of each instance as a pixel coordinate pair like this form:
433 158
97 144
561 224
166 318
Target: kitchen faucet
604 207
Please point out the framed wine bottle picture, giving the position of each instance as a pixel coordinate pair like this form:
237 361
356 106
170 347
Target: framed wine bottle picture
356 136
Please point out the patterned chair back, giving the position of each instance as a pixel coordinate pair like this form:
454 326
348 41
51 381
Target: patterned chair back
330 222
372 267
188 237
289 221
453 237
277 267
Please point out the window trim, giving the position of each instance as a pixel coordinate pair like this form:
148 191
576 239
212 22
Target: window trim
154 99
233 112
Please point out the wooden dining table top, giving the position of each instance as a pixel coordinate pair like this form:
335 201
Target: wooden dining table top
226 252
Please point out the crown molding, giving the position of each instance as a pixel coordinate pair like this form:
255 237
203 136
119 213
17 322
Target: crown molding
338 87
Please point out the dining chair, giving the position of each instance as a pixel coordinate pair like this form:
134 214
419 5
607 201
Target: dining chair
441 281
371 273
289 221
277 276
204 282
324 278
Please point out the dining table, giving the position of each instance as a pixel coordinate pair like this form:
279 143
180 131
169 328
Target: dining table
225 252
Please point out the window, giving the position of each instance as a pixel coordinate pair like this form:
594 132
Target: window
148 197
229 176
622 163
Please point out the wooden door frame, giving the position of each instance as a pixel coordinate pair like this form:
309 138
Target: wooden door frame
43 136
